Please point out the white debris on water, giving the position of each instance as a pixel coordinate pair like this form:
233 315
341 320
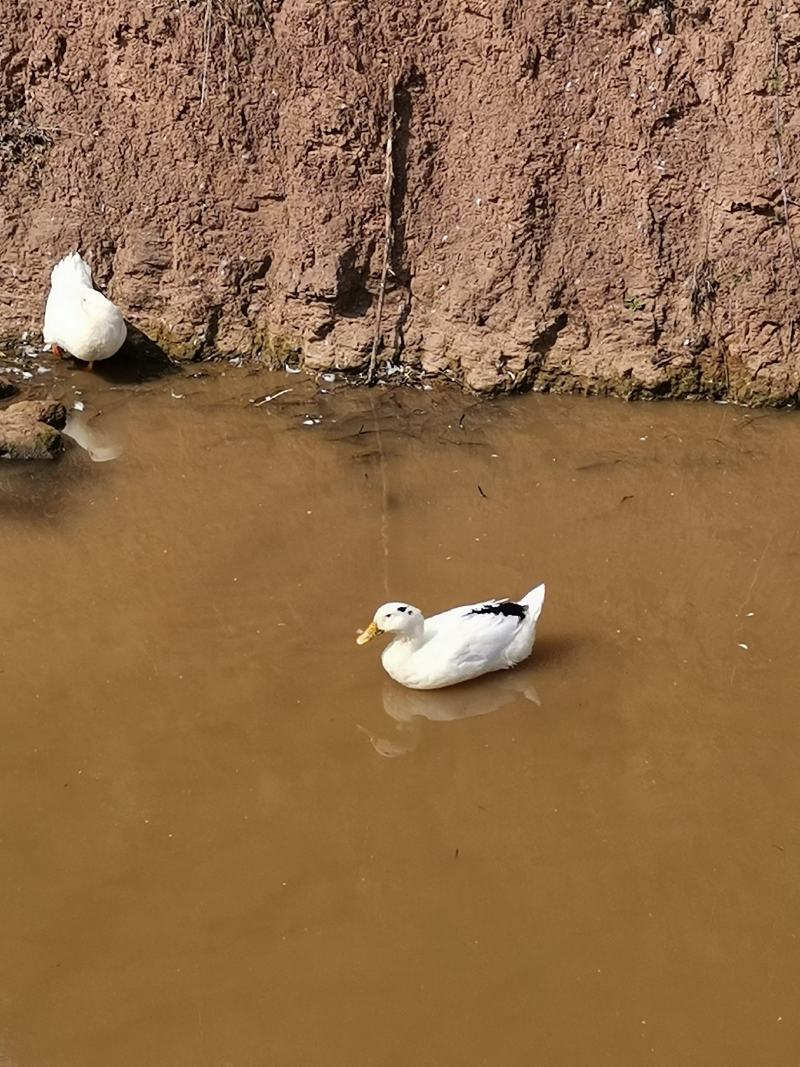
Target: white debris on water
267 399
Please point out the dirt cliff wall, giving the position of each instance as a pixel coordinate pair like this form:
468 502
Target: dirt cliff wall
585 194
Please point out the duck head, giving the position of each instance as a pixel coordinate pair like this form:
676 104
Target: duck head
397 618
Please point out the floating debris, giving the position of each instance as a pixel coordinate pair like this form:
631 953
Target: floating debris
258 402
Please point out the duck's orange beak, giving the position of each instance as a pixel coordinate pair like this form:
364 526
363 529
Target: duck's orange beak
371 631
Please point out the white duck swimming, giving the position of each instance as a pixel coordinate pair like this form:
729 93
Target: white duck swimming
77 319
456 645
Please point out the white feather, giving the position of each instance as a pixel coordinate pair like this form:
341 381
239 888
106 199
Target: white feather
71 270
79 319
456 645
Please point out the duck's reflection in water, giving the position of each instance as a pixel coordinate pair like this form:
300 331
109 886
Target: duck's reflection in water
408 707
100 444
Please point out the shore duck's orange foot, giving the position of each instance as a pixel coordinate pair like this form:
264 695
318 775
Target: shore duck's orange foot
57 352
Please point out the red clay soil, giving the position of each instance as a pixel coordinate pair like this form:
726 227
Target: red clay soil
585 195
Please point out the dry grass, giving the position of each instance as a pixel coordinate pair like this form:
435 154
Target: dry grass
22 143
225 34
704 287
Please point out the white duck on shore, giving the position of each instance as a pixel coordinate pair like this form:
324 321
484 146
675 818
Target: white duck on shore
456 645
78 320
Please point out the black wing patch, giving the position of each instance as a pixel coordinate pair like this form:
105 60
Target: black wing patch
506 607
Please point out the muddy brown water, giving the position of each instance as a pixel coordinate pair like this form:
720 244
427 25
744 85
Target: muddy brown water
229 839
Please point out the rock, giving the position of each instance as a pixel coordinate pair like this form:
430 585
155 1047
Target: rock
49 411
30 429
7 388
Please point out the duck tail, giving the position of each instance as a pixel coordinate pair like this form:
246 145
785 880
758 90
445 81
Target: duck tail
71 270
534 601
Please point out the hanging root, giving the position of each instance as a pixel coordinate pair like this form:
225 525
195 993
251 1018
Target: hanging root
388 230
